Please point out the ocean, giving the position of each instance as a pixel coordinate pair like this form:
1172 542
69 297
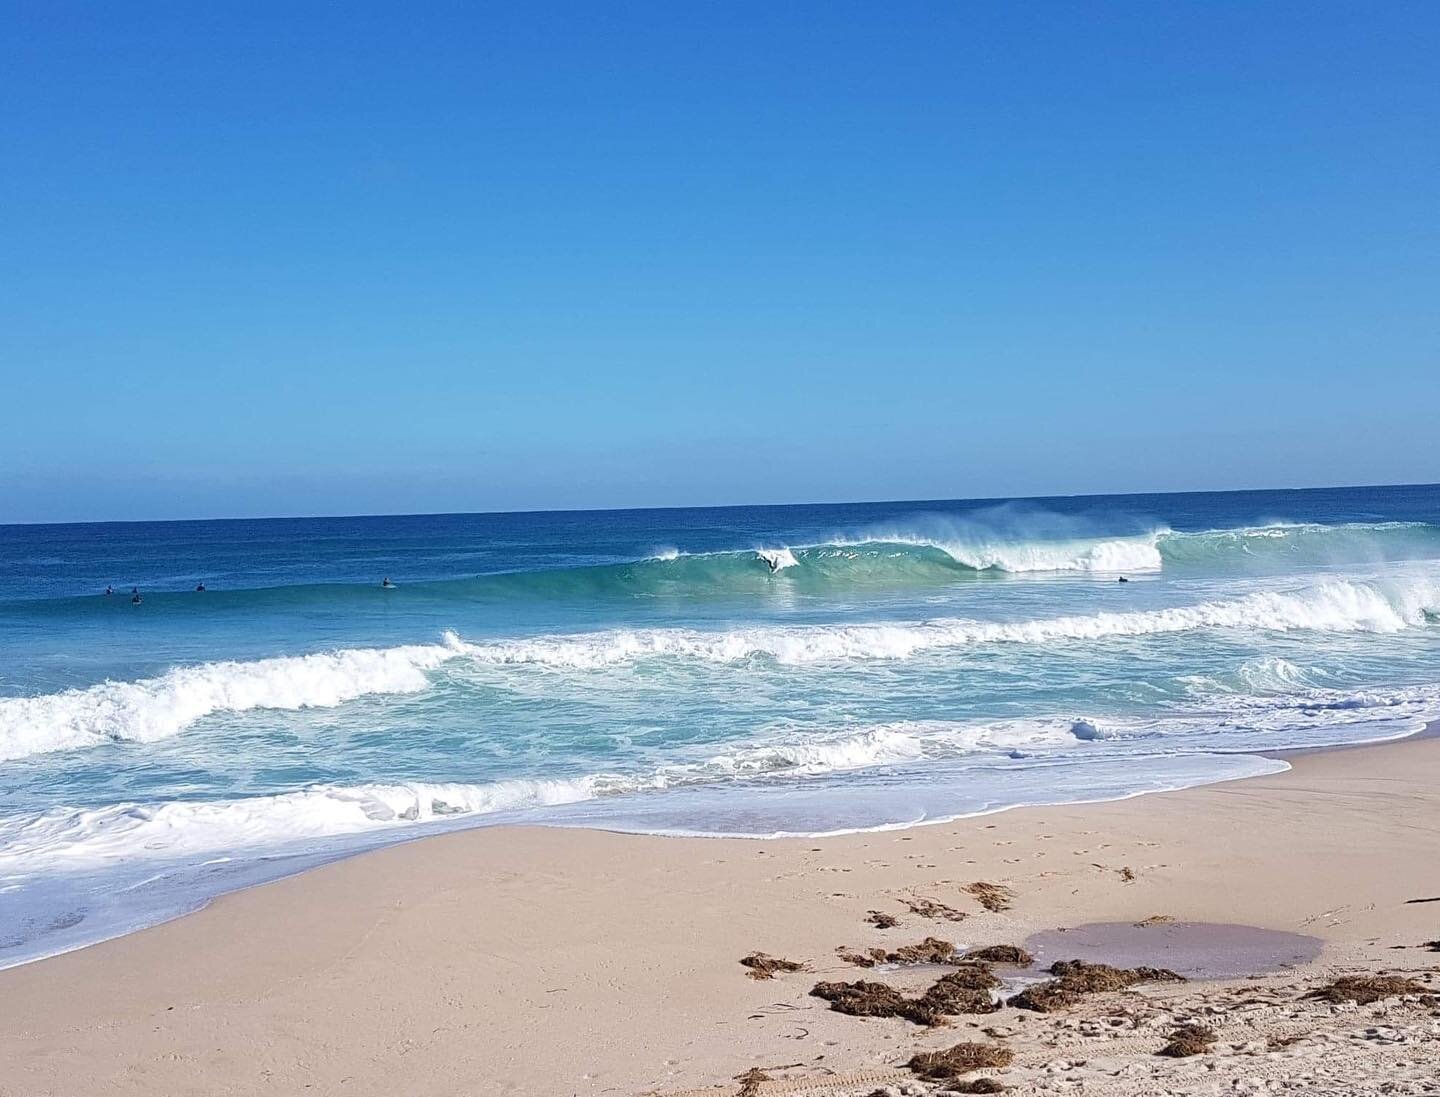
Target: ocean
753 671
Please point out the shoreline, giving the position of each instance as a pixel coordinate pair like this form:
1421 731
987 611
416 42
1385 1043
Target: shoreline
310 861
588 961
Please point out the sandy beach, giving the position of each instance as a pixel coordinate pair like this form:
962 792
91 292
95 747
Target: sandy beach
546 961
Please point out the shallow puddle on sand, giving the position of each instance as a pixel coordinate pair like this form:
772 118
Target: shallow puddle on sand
1197 950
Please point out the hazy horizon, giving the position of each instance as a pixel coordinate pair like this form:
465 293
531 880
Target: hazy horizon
898 501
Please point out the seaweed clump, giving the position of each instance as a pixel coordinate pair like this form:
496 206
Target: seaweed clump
869 958
939 1066
882 920
993 897
965 990
764 967
1076 979
1188 1040
866 999
1001 954
932 950
933 908
1365 989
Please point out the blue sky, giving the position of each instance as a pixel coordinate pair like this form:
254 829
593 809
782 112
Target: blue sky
302 258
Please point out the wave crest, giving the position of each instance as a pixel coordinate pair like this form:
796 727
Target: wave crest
156 708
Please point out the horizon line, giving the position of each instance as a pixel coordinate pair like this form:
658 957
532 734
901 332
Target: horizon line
709 506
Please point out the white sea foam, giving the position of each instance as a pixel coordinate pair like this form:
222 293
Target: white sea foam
984 550
815 753
1333 606
80 839
76 837
778 558
156 708
1114 555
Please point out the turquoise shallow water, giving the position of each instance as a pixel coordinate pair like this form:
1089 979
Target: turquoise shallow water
748 671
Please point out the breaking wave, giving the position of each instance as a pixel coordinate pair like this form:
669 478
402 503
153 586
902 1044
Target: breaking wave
1333 606
155 708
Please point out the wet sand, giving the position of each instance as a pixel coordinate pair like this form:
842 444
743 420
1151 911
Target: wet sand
541 961
1197 950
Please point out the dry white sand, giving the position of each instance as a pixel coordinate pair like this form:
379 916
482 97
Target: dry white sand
551 962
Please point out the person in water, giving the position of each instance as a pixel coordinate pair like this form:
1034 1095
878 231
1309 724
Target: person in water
109 591
135 598
386 582
199 588
1122 579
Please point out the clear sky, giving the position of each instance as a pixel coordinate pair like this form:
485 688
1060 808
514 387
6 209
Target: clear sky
300 258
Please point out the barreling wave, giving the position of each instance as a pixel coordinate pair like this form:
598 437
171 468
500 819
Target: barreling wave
156 708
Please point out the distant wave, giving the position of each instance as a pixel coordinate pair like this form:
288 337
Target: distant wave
894 557
1302 543
156 708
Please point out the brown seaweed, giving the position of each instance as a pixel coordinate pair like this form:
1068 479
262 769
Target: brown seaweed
1001 954
933 908
1076 979
962 1058
1365 989
1188 1040
764 967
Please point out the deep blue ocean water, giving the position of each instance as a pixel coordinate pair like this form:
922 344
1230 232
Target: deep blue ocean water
744 670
